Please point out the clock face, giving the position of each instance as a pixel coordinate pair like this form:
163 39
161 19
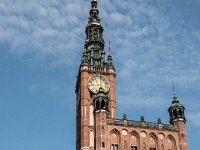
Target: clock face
97 82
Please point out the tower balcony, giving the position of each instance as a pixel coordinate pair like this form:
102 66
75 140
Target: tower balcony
97 69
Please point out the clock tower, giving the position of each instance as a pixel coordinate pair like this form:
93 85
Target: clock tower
97 127
95 87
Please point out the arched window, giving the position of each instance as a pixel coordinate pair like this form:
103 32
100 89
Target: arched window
152 142
175 113
97 104
180 113
171 143
115 138
134 140
103 105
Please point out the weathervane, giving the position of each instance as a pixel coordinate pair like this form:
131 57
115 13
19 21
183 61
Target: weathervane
173 88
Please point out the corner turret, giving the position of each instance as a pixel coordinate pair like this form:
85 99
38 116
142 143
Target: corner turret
177 119
176 111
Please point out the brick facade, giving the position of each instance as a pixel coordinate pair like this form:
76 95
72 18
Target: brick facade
97 126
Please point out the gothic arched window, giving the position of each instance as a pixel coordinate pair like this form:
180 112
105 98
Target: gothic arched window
152 142
175 113
103 104
97 105
180 113
171 143
134 140
115 138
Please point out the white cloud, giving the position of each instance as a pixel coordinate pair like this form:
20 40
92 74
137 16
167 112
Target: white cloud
42 29
151 47
151 50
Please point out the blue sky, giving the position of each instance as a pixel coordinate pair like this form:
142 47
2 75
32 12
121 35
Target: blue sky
153 44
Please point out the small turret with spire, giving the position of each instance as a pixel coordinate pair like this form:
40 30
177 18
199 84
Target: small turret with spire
176 110
177 119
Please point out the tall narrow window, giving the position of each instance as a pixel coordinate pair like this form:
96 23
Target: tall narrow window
152 142
134 148
125 145
103 144
114 146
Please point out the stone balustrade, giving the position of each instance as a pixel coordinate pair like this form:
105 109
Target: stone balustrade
141 124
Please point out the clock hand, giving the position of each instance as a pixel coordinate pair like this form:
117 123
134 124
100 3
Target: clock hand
97 83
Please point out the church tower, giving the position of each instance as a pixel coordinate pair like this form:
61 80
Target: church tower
95 87
97 127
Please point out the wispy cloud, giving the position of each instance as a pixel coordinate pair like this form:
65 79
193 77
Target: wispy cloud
151 49
47 31
151 46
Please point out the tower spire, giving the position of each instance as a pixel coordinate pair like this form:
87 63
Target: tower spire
175 99
94 12
94 42
176 110
173 88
